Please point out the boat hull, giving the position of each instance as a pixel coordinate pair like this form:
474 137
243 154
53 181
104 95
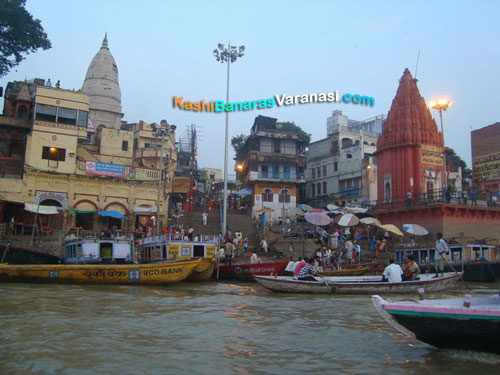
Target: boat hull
203 271
450 327
345 272
356 285
143 274
248 271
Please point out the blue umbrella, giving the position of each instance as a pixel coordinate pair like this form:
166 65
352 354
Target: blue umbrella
112 213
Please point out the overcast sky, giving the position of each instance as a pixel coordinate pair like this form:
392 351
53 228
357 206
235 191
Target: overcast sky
164 49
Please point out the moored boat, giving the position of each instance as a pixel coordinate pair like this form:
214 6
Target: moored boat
203 271
356 284
144 274
247 271
447 323
345 272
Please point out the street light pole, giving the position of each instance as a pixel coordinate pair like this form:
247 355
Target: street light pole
442 105
229 55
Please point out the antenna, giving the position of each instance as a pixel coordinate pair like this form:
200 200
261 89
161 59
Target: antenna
416 67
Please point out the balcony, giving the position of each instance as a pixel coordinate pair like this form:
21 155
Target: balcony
283 177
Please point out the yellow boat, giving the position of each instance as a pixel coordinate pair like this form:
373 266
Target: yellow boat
203 271
346 272
142 274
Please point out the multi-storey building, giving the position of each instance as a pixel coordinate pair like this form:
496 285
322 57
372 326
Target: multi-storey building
273 168
485 144
341 168
79 166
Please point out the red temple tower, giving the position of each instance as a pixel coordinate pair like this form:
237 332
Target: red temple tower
409 150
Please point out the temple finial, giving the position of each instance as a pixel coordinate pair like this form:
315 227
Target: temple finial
105 41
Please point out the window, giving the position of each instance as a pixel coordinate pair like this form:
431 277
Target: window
313 171
277 148
83 118
267 195
318 171
324 187
136 144
313 190
318 188
335 167
66 116
46 112
21 112
52 153
324 170
349 156
265 171
284 196
124 145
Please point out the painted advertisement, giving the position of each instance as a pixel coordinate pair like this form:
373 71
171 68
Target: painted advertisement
487 165
104 169
431 155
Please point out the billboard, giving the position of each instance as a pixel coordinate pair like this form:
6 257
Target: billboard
432 155
104 169
487 165
181 184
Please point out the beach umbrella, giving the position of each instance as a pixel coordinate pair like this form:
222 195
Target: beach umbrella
296 211
304 207
370 221
264 209
347 220
317 218
415 229
332 207
392 229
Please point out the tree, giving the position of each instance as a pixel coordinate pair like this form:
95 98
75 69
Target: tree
20 34
288 126
238 142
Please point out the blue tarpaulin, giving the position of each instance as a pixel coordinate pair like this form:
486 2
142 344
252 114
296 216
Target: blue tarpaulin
112 213
243 192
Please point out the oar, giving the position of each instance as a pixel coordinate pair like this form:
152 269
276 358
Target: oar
459 275
326 283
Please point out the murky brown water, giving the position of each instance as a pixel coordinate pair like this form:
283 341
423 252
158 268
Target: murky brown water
209 328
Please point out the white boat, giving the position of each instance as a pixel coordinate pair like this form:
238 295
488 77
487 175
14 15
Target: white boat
456 323
92 247
356 284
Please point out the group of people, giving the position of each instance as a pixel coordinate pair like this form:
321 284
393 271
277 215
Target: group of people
303 269
393 273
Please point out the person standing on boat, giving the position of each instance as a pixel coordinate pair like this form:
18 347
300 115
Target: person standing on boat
190 233
441 250
204 217
349 247
392 272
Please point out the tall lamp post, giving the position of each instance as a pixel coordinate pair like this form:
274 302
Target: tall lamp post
162 130
229 55
442 105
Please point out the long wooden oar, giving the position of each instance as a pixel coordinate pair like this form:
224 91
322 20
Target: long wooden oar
459 275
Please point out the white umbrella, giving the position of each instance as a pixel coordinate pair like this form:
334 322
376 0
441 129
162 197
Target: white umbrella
317 218
347 220
332 207
415 229
357 210
370 221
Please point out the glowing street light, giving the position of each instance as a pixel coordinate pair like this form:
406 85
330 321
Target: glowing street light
442 105
229 55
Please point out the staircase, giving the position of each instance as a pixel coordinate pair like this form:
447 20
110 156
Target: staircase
237 221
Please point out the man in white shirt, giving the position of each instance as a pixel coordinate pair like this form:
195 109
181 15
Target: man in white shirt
441 250
204 217
393 272
254 258
290 267
263 245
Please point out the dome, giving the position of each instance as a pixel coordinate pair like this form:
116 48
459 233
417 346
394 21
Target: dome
101 82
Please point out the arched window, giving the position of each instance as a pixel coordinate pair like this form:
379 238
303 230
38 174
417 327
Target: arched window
387 192
284 196
267 195
21 112
324 187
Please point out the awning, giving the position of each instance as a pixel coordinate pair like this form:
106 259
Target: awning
112 213
145 209
44 210
73 210
243 192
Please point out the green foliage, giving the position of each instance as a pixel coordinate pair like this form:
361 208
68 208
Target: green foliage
20 34
451 155
288 126
238 142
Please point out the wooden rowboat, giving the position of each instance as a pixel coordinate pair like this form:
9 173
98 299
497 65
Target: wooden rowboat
203 271
446 323
345 272
356 284
247 271
143 274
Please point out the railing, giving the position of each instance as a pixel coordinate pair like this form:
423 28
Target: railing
278 176
463 197
177 237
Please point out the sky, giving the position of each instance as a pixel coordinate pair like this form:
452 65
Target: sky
164 49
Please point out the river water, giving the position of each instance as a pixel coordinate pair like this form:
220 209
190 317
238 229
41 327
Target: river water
211 328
